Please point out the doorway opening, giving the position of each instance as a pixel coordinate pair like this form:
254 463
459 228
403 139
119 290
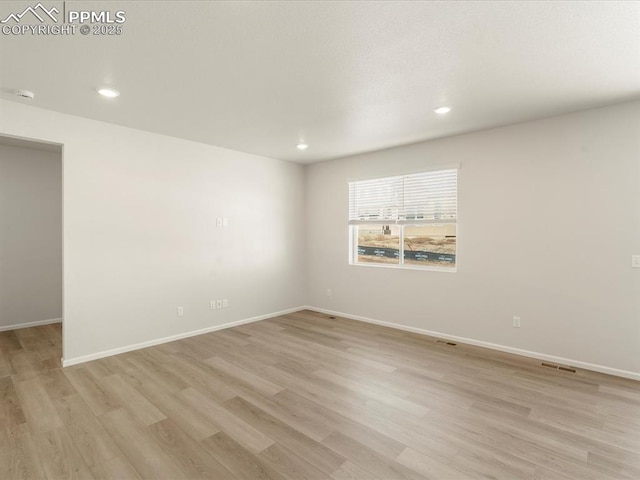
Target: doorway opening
31 256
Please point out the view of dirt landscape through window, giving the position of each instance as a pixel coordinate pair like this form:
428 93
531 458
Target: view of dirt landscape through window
425 245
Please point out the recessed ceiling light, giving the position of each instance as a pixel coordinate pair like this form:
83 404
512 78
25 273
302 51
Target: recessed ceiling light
442 110
302 146
108 92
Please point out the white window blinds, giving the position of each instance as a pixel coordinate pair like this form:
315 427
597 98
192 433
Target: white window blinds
429 197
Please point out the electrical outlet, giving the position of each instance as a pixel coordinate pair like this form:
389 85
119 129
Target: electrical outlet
180 311
218 303
635 261
516 322
328 292
225 221
212 305
225 303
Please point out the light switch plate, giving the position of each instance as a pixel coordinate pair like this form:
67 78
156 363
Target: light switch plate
635 261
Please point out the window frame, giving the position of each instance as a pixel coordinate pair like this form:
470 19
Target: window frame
353 229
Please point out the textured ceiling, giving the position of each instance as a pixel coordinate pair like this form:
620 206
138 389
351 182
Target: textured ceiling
346 77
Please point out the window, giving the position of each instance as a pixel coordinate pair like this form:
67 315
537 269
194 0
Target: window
405 221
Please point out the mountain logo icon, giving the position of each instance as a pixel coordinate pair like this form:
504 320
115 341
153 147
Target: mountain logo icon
39 11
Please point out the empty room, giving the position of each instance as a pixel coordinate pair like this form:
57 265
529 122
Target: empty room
305 240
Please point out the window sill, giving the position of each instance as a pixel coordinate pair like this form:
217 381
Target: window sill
406 267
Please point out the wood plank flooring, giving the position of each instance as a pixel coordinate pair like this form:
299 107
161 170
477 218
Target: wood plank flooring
305 396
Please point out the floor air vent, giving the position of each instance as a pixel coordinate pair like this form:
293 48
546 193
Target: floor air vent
447 343
566 369
558 367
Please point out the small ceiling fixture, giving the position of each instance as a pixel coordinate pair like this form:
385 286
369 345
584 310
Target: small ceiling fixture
302 146
26 94
109 92
442 110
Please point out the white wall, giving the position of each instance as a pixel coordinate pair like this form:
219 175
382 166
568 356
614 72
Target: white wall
549 216
140 235
30 236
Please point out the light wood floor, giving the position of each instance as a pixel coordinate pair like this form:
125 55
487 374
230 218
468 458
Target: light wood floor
304 396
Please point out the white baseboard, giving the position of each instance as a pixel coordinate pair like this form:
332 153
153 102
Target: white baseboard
493 346
179 336
18 326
